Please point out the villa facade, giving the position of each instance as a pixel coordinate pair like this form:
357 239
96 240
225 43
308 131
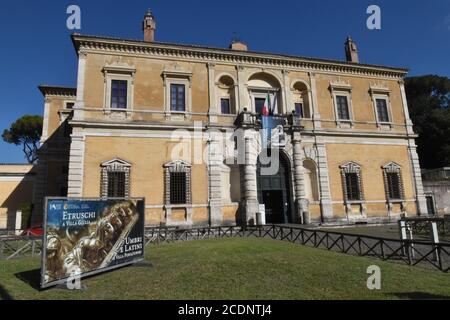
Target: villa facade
347 152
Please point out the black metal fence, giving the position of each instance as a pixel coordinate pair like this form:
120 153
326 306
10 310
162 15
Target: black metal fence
411 252
422 226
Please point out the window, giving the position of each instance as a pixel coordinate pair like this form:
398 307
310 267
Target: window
342 108
119 97
178 183
225 106
177 188
352 182
177 97
382 110
393 182
259 105
115 179
299 110
116 184
70 105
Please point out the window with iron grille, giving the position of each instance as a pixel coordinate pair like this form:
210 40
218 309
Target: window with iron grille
116 184
178 188
342 108
394 187
352 187
119 94
177 183
352 182
382 110
177 97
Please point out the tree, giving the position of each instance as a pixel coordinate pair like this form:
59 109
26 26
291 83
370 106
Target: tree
27 132
429 101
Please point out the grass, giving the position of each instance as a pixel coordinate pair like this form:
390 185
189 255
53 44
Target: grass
236 269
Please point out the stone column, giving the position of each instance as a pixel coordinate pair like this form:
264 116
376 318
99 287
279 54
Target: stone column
250 193
215 158
325 193
301 203
422 208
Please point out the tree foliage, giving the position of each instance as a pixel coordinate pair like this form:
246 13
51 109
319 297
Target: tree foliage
429 101
26 132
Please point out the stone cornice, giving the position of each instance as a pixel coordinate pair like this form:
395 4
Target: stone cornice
58 91
84 43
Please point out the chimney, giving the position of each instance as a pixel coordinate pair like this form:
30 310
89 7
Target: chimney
149 27
238 46
351 51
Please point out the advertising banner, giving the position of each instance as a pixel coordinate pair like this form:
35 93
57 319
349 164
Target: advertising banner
88 236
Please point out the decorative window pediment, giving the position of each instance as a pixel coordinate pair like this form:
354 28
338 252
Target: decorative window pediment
116 164
115 178
351 167
392 167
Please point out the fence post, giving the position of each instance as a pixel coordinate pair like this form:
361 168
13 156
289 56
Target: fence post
435 240
18 222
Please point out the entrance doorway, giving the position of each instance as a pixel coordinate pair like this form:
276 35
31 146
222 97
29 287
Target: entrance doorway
274 191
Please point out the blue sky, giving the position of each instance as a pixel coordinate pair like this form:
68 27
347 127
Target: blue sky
36 47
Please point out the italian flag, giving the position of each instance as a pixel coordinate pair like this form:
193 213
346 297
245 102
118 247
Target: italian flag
266 108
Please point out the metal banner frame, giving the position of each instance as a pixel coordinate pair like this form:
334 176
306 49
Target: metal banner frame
102 268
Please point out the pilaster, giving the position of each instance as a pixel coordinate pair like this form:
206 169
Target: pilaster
76 166
315 104
215 159
422 208
324 183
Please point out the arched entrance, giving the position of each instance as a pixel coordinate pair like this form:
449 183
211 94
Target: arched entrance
275 191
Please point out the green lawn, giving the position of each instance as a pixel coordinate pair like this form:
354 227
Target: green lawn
237 269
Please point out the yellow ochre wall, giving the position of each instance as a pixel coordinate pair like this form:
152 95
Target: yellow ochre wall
147 157
371 158
14 191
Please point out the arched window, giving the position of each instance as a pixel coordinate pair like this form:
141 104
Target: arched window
226 95
352 182
177 175
393 182
301 100
265 89
115 179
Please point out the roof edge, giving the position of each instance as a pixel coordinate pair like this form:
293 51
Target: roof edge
77 40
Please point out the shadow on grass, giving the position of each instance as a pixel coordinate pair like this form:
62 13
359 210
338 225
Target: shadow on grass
32 278
4 295
420 296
